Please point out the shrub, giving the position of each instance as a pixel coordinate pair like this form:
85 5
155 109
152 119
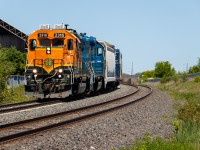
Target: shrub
175 78
184 77
164 80
197 79
5 70
163 69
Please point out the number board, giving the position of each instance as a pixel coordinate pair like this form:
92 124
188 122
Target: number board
59 35
42 35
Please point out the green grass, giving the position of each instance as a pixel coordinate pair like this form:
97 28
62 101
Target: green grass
189 133
13 95
158 144
187 93
186 97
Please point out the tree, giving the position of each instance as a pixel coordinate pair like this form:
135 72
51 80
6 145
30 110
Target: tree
194 69
15 57
198 64
147 74
163 69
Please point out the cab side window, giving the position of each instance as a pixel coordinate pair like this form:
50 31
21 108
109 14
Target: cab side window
70 44
99 51
33 44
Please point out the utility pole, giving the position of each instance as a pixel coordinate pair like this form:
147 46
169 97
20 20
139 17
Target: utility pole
132 70
187 67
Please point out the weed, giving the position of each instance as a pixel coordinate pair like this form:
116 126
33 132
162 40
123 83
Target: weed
158 144
176 124
164 80
13 95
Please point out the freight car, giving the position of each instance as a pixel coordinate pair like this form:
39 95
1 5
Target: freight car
61 62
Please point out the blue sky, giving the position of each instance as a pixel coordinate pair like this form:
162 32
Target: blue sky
146 31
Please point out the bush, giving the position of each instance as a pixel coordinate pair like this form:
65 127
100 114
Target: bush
197 79
175 78
163 69
184 77
164 80
5 70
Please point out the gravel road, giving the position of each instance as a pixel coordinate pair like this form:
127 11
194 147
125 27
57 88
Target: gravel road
120 128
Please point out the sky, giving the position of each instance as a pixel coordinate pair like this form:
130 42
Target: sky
146 31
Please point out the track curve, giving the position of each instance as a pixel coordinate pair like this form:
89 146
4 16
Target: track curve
68 117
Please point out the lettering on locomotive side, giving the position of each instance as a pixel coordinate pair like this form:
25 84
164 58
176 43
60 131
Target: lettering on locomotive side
42 35
59 35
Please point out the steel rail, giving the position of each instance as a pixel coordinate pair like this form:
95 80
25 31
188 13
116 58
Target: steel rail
16 104
7 110
62 113
73 120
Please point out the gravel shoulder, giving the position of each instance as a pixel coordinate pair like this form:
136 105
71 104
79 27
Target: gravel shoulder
120 128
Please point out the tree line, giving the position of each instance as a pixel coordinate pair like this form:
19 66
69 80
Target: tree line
164 69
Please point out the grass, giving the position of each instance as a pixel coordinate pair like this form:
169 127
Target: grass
13 95
158 144
186 95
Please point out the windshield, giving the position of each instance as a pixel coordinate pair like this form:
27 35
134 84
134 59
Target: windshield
45 42
55 43
58 43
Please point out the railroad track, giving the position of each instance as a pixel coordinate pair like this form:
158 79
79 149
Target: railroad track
8 108
26 105
16 130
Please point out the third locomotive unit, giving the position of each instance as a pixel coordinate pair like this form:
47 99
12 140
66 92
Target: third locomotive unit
61 62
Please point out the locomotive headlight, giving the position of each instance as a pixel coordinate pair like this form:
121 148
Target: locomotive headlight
60 70
59 76
48 50
34 70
